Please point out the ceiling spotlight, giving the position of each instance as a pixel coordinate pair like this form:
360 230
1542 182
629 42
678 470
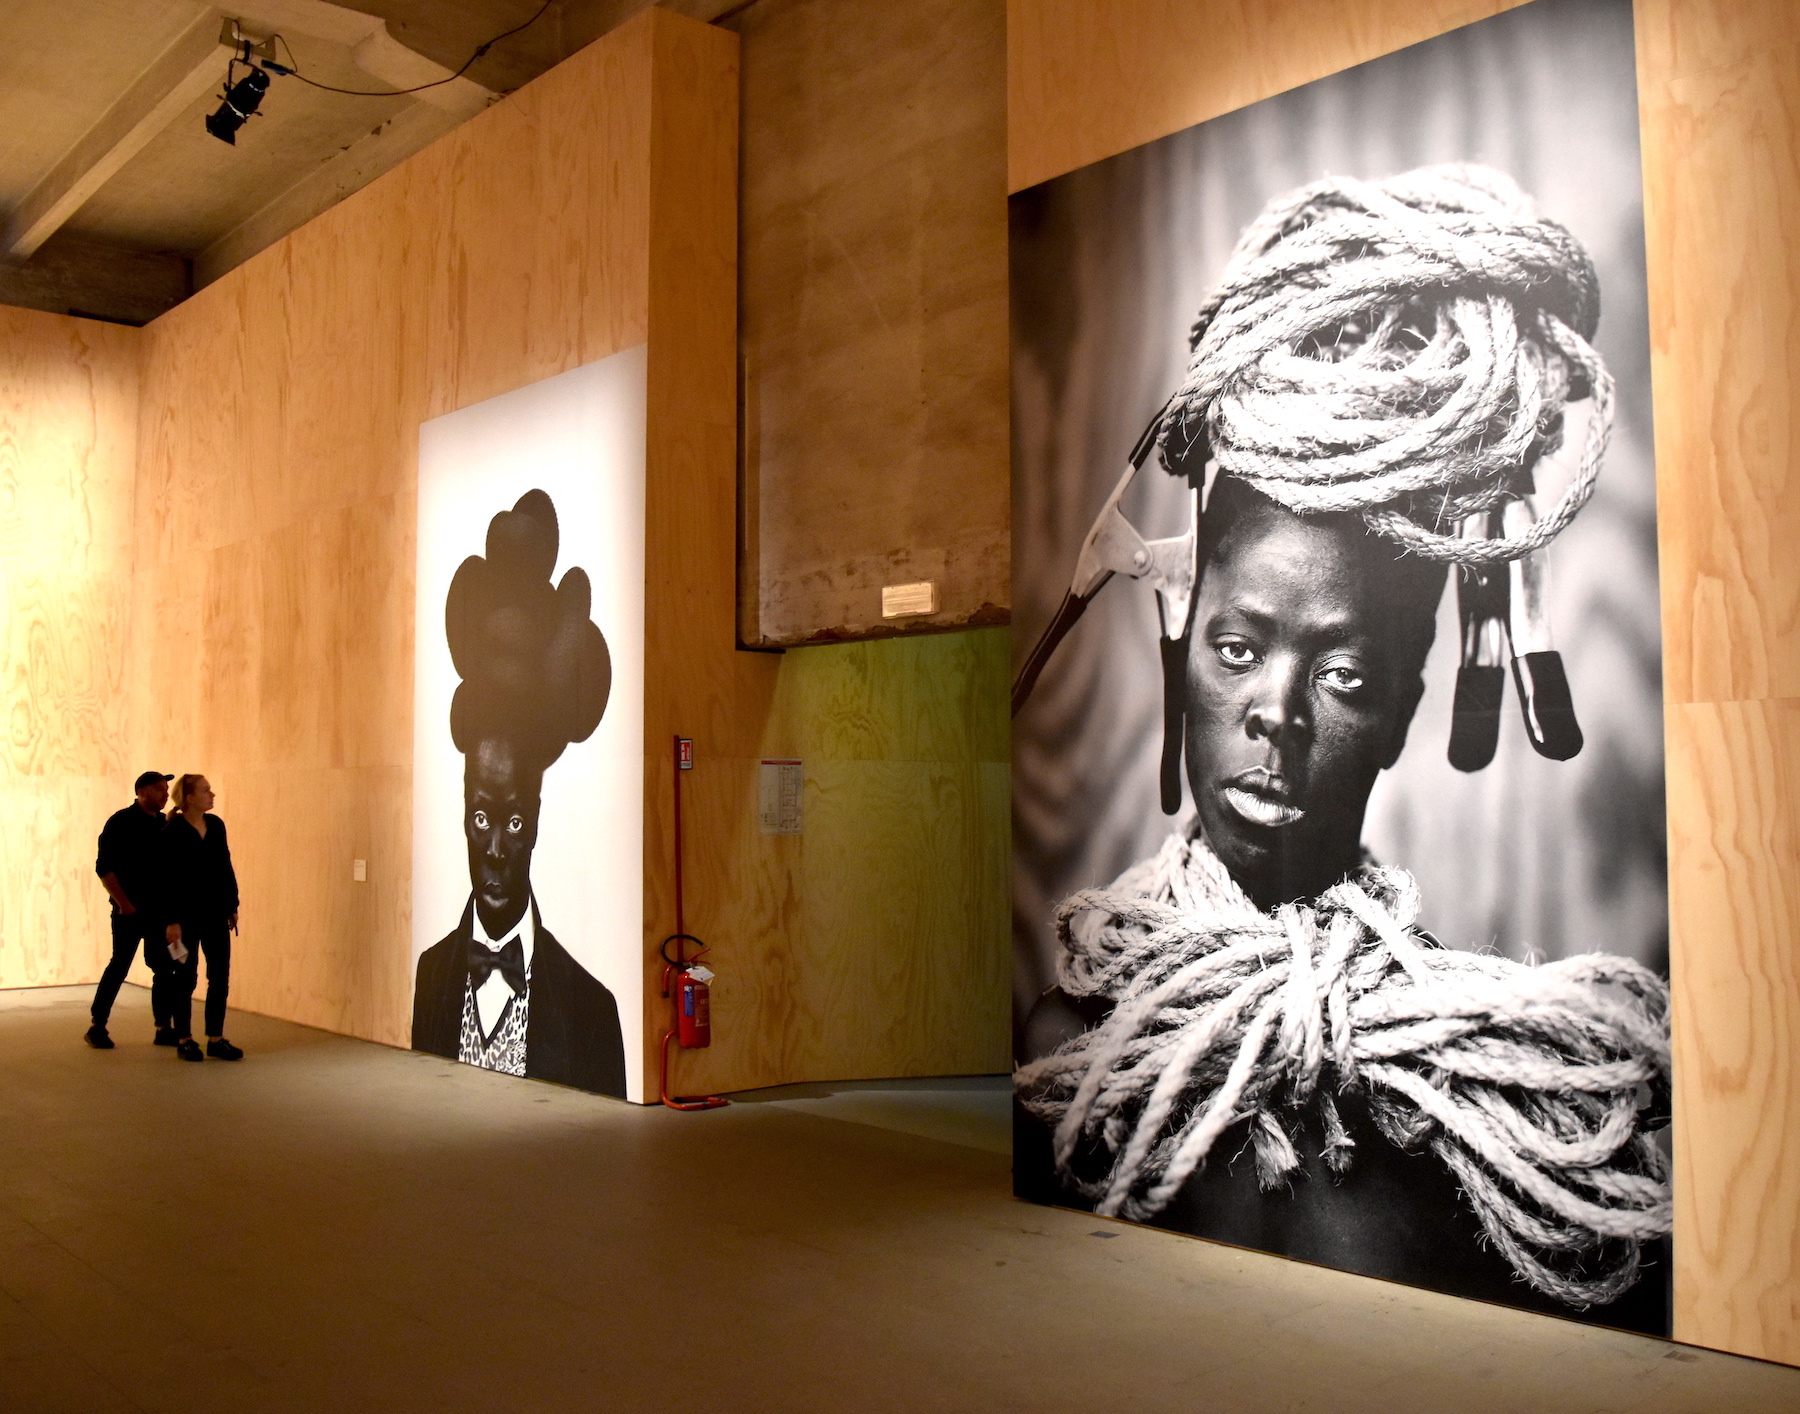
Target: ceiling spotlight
239 104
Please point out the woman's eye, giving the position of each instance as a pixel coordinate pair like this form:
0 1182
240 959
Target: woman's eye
1238 655
481 820
515 824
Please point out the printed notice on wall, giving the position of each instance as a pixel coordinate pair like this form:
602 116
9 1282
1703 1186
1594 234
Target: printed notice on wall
780 797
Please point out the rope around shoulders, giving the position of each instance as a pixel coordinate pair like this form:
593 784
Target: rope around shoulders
1402 349
1523 1080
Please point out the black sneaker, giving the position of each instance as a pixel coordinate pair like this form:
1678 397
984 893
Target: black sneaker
189 1049
97 1038
165 1036
222 1049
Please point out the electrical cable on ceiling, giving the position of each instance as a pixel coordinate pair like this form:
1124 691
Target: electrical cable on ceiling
291 68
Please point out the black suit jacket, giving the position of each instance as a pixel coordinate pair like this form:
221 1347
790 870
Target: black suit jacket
572 1035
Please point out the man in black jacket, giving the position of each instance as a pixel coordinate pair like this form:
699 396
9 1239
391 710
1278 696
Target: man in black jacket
127 868
500 991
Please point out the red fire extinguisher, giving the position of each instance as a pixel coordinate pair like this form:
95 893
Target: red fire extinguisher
686 980
689 982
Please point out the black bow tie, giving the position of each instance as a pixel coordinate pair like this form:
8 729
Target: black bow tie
509 962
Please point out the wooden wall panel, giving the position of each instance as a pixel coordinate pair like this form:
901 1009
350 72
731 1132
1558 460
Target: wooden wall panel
875 943
273 650
873 314
905 863
1719 87
1719 91
1734 827
272 643
696 682
68 439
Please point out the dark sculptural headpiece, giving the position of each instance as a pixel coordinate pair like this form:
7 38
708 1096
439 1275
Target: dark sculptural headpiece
534 667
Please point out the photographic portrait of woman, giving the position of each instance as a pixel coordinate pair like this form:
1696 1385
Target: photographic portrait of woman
1380 985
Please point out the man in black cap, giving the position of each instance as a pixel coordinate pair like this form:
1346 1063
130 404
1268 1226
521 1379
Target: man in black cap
127 867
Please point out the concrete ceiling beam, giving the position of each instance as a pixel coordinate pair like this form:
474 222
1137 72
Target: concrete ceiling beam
316 19
180 74
387 59
372 49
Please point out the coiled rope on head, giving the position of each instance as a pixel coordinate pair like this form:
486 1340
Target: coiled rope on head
1523 1080
1402 349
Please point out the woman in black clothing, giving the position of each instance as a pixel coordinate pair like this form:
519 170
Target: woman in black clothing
202 900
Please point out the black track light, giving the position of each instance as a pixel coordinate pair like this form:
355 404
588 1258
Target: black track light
240 102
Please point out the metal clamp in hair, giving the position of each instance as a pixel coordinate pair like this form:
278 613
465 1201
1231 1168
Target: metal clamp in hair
1114 546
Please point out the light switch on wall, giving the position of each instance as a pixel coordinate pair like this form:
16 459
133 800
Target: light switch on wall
359 871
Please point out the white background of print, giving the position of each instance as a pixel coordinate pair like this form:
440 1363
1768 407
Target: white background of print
580 438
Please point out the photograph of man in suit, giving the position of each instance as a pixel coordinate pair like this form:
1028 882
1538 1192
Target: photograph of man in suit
500 991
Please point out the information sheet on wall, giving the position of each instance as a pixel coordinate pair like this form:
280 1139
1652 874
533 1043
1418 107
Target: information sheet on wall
1340 886
781 787
528 752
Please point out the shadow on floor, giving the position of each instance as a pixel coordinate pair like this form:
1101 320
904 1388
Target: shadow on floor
974 1110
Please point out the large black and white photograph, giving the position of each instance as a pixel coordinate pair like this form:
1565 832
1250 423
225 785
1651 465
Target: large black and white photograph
528 772
1340 881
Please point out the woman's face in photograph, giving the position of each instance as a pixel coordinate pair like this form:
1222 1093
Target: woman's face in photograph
1294 700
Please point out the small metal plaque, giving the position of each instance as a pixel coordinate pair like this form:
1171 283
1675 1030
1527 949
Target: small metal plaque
900 601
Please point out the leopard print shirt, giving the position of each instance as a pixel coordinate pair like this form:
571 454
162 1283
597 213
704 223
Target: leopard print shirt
504 1051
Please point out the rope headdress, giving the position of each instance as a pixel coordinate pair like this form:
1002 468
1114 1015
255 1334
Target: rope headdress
1402 350
534 668
1522 1080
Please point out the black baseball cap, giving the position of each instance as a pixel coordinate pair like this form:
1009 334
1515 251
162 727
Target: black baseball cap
150 778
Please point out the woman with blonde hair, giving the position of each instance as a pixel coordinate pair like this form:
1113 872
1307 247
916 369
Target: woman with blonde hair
201 904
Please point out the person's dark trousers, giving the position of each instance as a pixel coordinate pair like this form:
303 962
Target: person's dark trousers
172 990
128 930
215 940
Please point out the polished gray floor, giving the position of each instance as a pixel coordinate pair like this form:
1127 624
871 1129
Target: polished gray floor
332 1225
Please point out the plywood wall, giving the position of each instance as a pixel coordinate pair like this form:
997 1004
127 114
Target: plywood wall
875 943
1719 85
273 636
874 314
68 439
272 646
1719 88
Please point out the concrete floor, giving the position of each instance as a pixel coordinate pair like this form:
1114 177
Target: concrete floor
333 1225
